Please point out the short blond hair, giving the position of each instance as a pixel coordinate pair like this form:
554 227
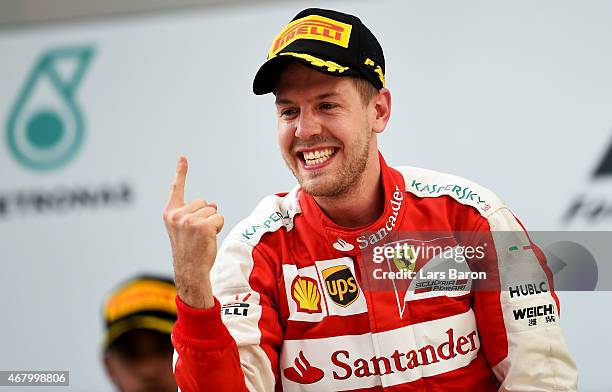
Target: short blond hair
365 89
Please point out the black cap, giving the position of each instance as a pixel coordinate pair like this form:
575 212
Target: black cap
328 41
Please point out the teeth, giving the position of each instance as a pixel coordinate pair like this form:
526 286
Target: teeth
318 156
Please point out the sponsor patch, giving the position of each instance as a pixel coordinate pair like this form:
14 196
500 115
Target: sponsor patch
402 355
435 279
462 193
312 27
303 290
342 245
341 285
535 316
441 285
341 288
302 372
404 258
528 289
235 310
305 293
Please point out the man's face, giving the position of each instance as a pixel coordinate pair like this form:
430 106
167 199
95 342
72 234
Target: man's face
324 129
141 361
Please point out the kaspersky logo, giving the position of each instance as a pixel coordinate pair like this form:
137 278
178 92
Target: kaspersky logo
45 126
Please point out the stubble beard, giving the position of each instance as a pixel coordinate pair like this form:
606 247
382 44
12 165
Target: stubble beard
348 175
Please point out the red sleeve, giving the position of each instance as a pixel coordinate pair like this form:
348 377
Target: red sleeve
233 346
207 357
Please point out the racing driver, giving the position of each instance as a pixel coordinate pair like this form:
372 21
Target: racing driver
289 302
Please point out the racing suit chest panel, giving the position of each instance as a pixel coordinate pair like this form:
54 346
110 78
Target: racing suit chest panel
325 298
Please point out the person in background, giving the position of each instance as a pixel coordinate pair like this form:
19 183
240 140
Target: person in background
138 317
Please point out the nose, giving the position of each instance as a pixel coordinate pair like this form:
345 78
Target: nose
307 125
152 369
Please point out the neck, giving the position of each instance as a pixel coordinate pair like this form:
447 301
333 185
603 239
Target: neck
363 203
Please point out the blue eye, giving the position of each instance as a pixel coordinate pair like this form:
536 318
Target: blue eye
288 112
328 106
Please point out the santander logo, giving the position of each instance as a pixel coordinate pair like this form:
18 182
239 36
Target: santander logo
399 361
396 204
342 245
347 365
303 372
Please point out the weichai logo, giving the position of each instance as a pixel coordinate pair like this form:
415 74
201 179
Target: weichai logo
341 285
312 27
533 311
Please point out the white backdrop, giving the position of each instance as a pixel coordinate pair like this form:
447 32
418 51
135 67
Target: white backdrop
514 95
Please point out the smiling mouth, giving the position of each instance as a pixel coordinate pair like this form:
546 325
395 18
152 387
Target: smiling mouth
316 157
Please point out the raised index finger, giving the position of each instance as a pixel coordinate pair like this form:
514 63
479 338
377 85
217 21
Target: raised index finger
177 193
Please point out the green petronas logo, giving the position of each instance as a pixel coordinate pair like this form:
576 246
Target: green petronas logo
45 128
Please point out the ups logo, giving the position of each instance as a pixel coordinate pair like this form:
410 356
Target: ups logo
341 285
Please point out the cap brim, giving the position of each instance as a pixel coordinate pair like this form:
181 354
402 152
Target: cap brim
268 73
137 322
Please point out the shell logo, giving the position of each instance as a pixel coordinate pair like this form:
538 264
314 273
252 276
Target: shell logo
305 293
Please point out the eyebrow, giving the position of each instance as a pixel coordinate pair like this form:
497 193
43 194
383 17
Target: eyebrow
285 101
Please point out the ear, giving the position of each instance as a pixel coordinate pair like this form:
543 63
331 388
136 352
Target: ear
382 109
108 366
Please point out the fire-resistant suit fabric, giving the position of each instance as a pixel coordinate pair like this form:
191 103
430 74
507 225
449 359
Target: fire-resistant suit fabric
301 305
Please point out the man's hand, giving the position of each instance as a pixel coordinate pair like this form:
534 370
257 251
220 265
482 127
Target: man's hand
193 230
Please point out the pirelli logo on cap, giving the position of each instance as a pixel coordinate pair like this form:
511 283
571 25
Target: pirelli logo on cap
141 296
312 27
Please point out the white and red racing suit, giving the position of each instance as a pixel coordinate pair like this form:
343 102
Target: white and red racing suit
302 305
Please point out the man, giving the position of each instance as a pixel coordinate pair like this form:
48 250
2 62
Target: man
139 316
294 299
